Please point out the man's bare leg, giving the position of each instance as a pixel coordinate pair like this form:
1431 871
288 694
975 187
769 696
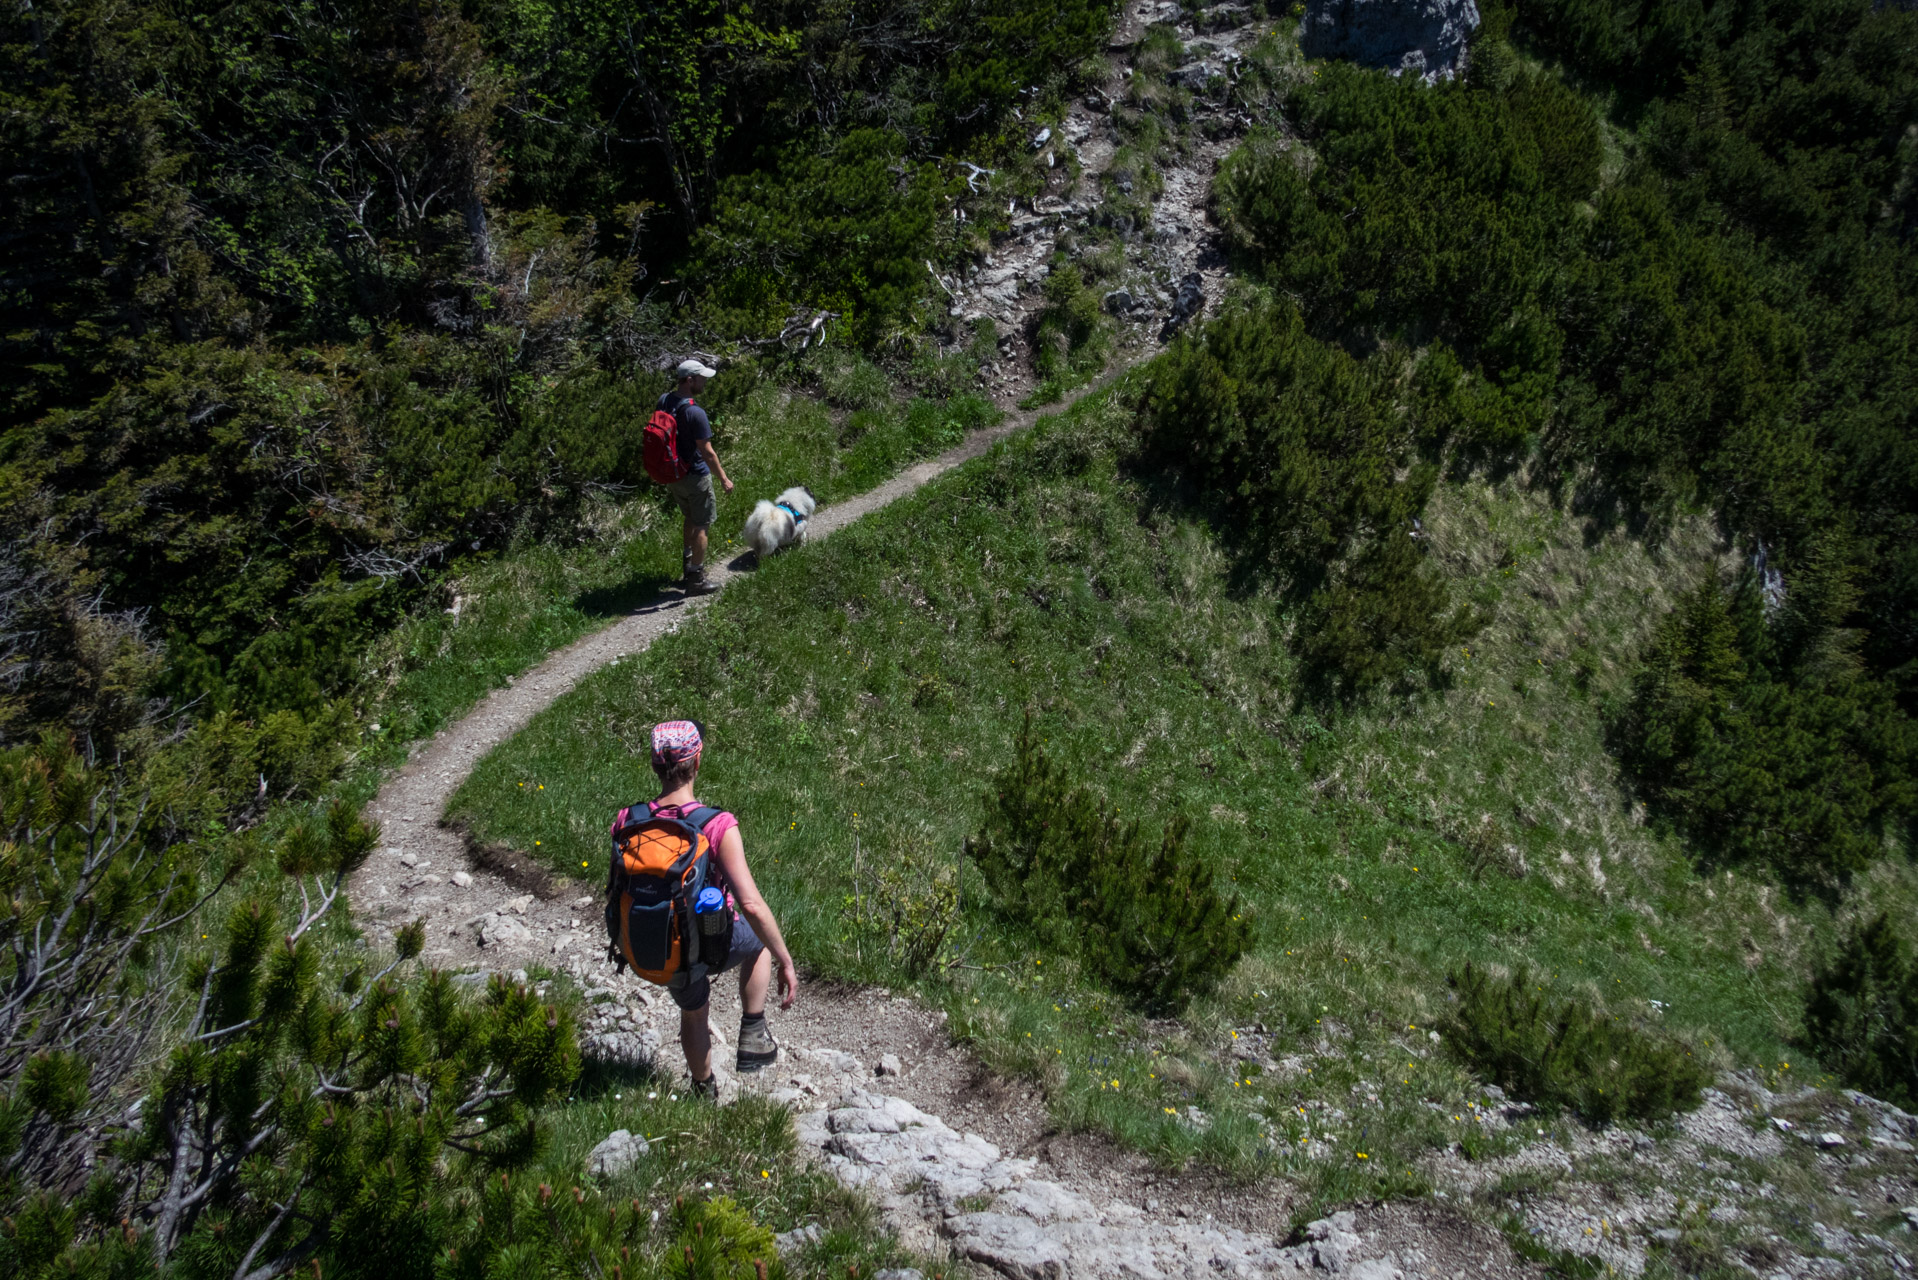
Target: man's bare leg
695 538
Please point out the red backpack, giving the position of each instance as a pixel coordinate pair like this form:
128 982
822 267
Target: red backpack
661 449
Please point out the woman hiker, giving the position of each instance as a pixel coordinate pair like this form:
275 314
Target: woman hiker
756 943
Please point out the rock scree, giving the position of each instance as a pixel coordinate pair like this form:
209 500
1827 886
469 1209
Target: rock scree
1426 38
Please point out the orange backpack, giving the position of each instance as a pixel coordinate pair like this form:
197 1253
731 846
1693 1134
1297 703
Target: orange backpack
659 865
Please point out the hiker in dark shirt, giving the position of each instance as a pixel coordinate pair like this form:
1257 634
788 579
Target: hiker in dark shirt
694 491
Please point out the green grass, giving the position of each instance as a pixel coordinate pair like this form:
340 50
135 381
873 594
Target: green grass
517 607
745 1151
860 696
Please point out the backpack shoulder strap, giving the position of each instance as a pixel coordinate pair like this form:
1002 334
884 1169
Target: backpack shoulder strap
699 817
632 813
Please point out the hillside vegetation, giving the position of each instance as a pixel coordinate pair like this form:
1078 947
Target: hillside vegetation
863 696
1479 653
316 306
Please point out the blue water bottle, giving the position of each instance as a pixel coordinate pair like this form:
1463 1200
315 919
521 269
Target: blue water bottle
715 927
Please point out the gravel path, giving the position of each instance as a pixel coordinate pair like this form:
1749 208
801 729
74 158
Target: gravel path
422 867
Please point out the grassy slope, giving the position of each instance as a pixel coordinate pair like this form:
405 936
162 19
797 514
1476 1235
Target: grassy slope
517 608
861 694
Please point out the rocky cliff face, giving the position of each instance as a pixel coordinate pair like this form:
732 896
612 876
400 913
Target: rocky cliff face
1425 38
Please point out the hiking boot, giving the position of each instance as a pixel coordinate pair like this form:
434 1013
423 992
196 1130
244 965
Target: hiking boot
707 1088
757 1049
694 583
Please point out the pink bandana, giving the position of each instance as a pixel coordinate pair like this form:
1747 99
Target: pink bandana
675 740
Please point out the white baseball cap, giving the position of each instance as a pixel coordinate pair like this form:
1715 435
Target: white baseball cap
694 369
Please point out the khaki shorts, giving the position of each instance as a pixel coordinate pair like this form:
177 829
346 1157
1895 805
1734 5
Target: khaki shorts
694 494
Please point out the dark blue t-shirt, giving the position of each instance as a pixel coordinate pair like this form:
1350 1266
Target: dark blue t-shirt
694 426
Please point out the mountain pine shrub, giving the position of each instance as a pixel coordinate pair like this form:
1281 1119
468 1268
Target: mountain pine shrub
1061 862
1861 1013
1306 457
1071 336
1755 733
1563 1053
253 1103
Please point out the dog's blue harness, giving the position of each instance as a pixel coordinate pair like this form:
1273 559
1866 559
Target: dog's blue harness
799 521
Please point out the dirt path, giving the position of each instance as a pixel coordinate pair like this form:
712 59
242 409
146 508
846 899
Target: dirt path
964 1164
503 906
422 868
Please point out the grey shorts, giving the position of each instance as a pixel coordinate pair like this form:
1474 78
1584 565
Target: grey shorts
694 494
692 988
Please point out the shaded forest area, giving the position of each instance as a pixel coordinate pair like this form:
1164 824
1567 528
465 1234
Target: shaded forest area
305 302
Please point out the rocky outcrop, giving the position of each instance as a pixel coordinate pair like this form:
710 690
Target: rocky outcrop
935 1184
1426 38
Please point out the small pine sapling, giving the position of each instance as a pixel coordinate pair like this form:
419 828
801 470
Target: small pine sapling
1563 1053
1861 1013
1064 865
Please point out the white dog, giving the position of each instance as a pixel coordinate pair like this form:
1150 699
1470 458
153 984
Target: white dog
781 523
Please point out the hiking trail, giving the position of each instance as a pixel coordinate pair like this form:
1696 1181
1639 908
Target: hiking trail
961 1163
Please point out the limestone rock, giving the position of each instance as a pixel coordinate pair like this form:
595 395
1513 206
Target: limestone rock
1189 302
503 931
619 1152
463 879
1015 1247
1426 38
623 1048
929 1180
1193 75
889 1065
1373 1269
798 1238
836 1060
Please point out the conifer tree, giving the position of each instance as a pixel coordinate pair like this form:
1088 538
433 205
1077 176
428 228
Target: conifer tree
1861 1013
1063 864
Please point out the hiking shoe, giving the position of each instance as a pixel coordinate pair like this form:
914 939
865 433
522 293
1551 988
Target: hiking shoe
707 1088
694 583
757 1049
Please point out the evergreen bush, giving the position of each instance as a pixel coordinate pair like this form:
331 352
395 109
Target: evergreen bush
292 1111
1796 761
1564 1053
1148 920
1861 1013
1309 459
1071 334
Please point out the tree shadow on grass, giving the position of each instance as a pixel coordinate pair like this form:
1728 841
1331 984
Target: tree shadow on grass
635 595
599 1076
